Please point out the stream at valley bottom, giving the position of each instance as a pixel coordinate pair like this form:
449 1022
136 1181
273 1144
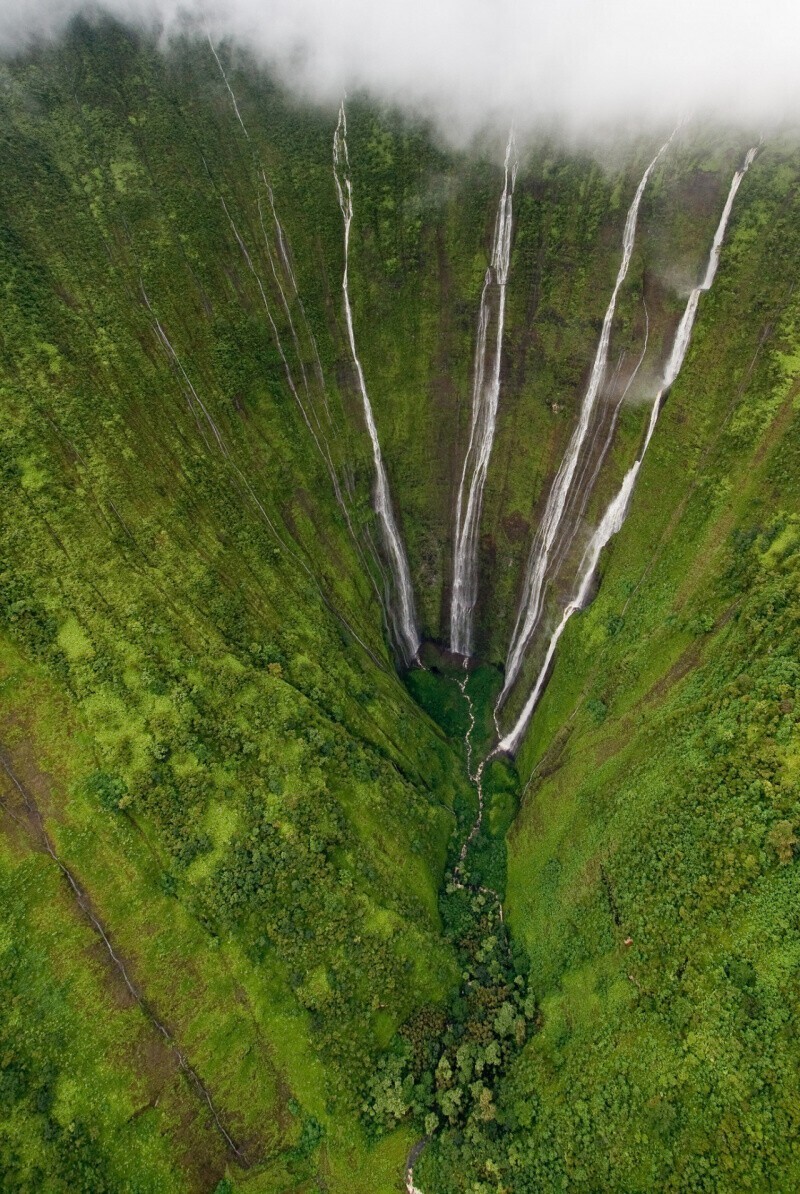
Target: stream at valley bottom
459 877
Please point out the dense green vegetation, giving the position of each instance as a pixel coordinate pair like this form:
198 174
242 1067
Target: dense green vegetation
652 874
200 716
226 767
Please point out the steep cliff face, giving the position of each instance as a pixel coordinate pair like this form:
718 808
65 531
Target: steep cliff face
229 945
652 874
419 303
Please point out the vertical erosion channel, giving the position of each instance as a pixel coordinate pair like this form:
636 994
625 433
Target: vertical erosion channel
485 396
402 613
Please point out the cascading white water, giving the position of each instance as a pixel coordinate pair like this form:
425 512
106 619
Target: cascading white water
289 293
617 510
585 483
610 523
227 84
485 396
405 614
536 573
684 332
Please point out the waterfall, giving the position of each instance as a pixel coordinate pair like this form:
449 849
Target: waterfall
617 510
537 570
404 613
283 275
485 395
227 84
610 523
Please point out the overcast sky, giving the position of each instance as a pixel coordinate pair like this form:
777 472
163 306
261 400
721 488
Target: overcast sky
583 62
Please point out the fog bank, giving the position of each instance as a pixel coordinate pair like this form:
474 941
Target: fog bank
581 63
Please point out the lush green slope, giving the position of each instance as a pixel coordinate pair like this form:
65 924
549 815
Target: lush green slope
262 965
195 683
652 875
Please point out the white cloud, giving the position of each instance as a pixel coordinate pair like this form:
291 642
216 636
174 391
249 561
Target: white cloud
581 62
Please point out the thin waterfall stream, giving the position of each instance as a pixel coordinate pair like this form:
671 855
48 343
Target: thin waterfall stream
485 397
196 403
538 568
405 618
280 262
308 407
617 509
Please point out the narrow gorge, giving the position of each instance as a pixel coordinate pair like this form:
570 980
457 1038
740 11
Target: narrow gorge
399 608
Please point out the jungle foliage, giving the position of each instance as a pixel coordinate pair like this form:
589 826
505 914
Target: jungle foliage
197 685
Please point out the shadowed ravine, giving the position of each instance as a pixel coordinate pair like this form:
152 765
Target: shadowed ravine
309 421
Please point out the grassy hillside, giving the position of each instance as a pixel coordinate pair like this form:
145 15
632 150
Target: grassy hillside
197 693
239 949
